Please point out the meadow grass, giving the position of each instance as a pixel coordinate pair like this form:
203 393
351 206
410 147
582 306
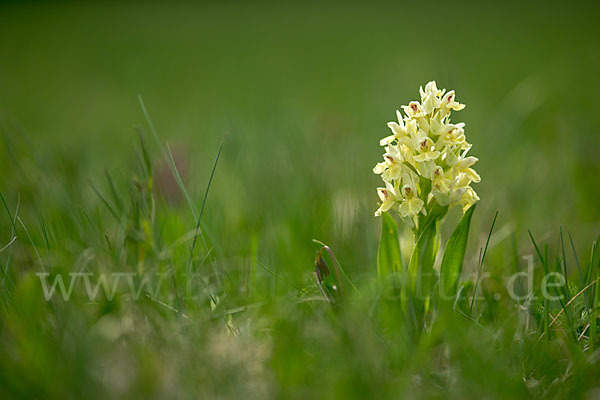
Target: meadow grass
246 172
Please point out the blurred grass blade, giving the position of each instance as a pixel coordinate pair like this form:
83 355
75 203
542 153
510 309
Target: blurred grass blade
145 157
539 253
481 260
106 202
8 244
13 233
33 246
388 256
594 314
592 269
454 254
118 203
198 231
166 152
581 282
10 217
168 156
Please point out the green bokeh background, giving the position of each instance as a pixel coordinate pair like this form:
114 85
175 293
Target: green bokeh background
304 92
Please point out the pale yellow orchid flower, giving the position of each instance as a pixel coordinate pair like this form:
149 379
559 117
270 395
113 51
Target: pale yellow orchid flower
462 165
391 168
430 89
441 181
413 110
425 146
426 150
449 101
468 198
431 100
388 198
452 134
411 205
400 132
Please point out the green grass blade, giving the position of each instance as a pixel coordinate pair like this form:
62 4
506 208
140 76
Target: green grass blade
539 253
146 162
564 262
10 217
591 271
481 259
106 202
44 231
210 179
33 246
166 152
118 202
13 233
578 269
178 180
8 244
487 242
594 314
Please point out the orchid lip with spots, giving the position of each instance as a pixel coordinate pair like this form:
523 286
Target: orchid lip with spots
425 159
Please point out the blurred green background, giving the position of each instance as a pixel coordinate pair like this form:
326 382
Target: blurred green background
303 92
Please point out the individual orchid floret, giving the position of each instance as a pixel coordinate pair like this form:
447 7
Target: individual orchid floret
426 150
449 101
411 205
441 181
388 198
430 98
430 90
462 165
398 130
468 199
413 110
392 166
453 134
